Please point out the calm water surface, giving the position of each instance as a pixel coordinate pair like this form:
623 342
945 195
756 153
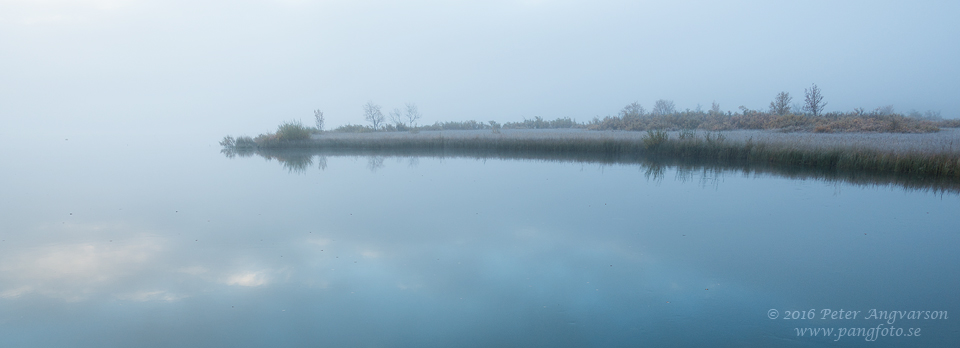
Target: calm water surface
141 242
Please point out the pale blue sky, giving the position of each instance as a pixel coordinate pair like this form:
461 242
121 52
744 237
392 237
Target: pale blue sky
234 67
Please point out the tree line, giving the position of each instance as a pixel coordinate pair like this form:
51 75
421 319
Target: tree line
783 113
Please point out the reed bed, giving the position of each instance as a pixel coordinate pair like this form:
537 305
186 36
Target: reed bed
945 141
300 160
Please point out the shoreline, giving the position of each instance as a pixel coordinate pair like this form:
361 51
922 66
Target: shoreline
946 140
930 160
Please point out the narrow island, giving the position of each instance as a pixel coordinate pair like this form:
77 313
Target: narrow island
917 151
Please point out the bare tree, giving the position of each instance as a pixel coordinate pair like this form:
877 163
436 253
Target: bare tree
796 108
371 113
714 108
884 110
318 115
663 107
781 104
932 115
632 110
397 118
814 100
413 114
495 127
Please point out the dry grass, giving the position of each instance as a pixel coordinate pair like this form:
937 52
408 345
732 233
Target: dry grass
752 119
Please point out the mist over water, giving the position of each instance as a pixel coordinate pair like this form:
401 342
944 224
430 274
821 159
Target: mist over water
114 243
228 67
122 225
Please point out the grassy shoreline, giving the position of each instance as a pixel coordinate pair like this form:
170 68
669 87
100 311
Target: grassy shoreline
911 168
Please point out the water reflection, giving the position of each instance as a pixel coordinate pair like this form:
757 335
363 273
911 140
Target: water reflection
322 162
654 172
75 271
231 152
293 161
374 163
298 160
450 251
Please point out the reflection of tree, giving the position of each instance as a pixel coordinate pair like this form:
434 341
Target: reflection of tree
375 163
414 161
709 172
232 152
323 162
295 162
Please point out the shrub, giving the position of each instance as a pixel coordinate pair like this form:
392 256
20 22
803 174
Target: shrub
292 131
953 123
465 125
244 142
227 141
353 128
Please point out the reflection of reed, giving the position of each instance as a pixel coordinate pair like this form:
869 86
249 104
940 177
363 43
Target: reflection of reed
653 167
939 171
654 172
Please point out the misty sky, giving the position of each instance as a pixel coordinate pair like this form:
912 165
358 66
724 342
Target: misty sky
242 67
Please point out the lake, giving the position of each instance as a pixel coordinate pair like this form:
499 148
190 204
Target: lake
120 242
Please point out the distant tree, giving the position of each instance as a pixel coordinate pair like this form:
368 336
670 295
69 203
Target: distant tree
318 115
813 102
932 115
884 110
413 114
714 108
663 107
371 113
397 118
632 110
796 108
781 104
495 127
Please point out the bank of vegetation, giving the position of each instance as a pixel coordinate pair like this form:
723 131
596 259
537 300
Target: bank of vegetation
700 148
688 135
858 121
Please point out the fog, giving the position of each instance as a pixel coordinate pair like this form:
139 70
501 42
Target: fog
123 224
241 67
